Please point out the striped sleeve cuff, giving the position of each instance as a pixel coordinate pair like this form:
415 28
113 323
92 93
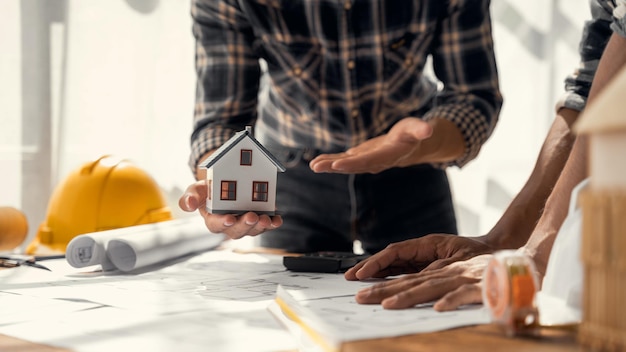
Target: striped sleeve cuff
471 122
619 15
205 141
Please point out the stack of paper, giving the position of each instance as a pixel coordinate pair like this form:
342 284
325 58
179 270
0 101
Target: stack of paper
324 322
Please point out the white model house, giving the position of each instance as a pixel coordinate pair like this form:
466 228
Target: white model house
241 177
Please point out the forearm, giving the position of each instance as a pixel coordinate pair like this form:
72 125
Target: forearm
518 221
540 243
576 168
464 62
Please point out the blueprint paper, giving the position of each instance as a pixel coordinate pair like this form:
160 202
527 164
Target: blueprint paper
90 249
216 300
135 247
337 318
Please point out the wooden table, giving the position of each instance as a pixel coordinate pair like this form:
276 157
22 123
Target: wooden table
474 338
478 338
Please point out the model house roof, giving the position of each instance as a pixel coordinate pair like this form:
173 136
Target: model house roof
607 113
232 142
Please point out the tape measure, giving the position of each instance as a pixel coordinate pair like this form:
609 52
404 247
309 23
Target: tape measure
509 289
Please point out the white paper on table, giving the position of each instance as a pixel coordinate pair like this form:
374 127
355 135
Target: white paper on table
134 247
215 300
188 306
327 322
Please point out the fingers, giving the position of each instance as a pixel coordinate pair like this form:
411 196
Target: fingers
379 153
372 156
350 274
194 197
408 256
411 290
324 162
383 265
453 286
371 266
248 224
466 294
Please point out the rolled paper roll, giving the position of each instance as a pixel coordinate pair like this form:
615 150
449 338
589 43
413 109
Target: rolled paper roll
13 228
90 249
134 247
160 242
509 289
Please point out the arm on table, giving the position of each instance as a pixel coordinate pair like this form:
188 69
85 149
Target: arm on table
458 283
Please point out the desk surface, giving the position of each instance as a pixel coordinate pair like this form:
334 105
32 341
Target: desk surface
478 338
473 338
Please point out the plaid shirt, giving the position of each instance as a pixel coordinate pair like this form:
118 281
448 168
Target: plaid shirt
595 37
340 72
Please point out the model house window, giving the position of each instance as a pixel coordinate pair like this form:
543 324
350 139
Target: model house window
229 190
259 191
246 157
210 188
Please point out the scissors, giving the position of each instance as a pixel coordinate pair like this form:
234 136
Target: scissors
13 261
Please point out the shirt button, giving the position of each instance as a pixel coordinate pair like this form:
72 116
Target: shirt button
297 71
355 112
350 64
347 5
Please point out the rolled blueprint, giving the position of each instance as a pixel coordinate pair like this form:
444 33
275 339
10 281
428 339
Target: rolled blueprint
134 247
90 249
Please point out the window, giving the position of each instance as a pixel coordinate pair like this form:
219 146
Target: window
229 190
246 157
209 188
259 191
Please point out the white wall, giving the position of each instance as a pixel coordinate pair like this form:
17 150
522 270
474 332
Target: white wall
10 104
119 80
536 43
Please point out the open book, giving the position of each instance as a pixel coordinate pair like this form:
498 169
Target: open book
323 321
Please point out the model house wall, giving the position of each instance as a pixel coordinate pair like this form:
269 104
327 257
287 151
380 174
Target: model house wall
241 177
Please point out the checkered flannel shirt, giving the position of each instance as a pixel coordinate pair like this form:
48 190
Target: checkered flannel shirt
339 72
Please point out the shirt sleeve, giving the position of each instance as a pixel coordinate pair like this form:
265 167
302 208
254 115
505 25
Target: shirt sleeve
595 36
619 16
228 74
464 61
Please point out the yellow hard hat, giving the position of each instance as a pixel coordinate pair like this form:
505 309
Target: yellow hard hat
101 195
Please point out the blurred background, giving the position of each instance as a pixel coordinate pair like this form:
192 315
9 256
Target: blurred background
80 79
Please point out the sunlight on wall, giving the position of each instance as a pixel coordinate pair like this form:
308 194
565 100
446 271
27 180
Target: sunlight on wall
122 82
533 61
10 105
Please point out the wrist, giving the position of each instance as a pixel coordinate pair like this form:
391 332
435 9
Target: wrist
511 231
446 144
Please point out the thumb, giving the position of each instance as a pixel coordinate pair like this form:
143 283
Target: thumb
188 202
